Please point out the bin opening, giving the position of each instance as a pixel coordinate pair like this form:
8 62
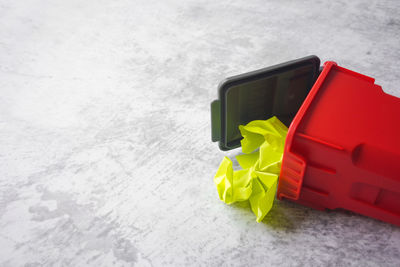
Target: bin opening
274 91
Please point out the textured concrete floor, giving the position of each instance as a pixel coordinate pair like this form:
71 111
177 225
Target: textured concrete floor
105 151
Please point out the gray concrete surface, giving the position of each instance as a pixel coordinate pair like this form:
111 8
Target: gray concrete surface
105 151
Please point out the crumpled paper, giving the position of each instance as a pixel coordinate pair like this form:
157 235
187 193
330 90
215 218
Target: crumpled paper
263 143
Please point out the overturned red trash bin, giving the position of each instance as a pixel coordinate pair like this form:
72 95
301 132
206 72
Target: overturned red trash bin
343 144
343 147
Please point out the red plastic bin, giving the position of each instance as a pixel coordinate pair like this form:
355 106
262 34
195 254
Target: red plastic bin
343 147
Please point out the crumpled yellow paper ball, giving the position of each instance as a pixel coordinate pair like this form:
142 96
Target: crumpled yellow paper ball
263 143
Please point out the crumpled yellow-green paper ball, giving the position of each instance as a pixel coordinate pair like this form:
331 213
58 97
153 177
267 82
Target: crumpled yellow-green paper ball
257 181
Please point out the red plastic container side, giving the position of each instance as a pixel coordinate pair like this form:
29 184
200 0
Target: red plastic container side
343 147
